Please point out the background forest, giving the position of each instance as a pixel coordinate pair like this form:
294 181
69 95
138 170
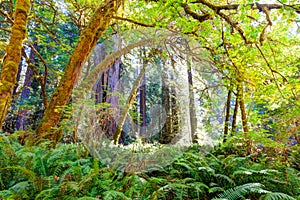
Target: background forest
153 99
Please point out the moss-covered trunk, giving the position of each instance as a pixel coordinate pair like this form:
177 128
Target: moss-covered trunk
13 57
88 39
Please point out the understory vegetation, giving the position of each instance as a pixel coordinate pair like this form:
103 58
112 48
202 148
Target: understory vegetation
69 172
149 99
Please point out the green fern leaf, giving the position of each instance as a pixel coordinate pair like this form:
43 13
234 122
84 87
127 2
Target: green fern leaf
239 191
277 196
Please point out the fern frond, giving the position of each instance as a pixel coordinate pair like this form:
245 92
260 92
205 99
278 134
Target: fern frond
112 195
224 180
27 172
188 169
277 196
215 189
48 193
240 191
6 194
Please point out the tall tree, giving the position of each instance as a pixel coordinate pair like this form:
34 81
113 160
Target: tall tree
22 113
88 39
192 107
12 60
142 90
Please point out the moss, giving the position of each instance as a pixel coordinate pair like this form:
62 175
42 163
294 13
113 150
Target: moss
10 67
23 6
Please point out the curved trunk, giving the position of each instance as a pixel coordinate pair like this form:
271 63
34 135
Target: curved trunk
98 24
129 102
12 60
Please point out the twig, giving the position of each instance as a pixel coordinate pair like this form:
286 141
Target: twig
133 21
7 16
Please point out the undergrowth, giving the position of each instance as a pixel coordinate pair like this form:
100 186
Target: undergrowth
69 172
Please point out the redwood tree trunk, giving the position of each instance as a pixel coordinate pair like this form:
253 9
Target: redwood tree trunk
21 118
112 82
193 117
167 130
13 57
88 39
142 91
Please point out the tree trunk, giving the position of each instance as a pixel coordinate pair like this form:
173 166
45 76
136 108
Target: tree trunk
129 102
142 91
234 116
18 78
193 117
21 118
240 95
112 83
98 24
169 100
167 130
226 127
13 57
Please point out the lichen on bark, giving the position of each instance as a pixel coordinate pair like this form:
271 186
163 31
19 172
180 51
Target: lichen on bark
13 57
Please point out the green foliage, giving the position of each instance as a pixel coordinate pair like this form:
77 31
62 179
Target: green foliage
68 172
295 157
240 191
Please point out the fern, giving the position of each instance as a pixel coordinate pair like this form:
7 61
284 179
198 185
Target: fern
216 189
188 170
46 194
112 195
249 175
224 180
277 196
240 191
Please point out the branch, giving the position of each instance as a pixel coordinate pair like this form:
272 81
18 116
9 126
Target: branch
259 6
45 75
272 70
235 25
200 18
51 33
262 35
7 16
44 81
134 22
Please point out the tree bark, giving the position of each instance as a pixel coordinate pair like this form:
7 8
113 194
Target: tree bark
112 83
240 96
18 77
88 39
13 57
169 100
21 118
142 91
234 116
166 131
193 117
226 127
129 102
